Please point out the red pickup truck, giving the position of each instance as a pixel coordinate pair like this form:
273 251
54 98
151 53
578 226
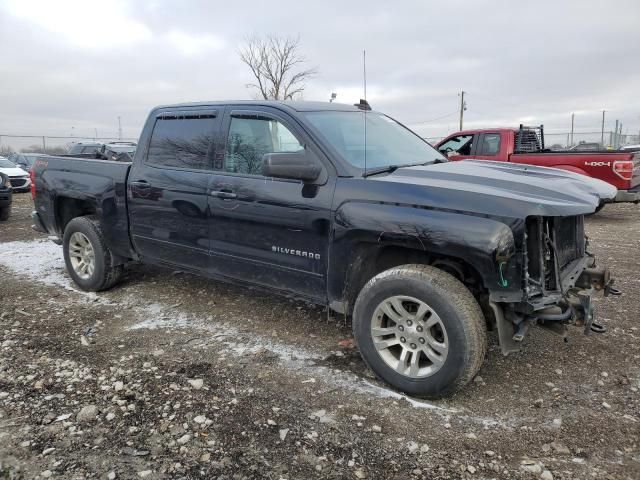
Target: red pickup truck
526 145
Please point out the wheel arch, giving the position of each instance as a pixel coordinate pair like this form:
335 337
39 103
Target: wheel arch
67 208
371 259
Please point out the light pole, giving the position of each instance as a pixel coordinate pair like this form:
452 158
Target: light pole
463 107
572 118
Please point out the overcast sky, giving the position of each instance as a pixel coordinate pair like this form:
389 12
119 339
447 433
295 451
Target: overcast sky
76 65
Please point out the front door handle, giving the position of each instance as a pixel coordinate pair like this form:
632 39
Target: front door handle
226 194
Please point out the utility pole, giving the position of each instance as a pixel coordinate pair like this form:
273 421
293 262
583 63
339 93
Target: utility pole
615 136
463 107
620 137
602 133
119 129
95 131
572 118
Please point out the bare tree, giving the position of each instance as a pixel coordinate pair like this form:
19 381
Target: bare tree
276 64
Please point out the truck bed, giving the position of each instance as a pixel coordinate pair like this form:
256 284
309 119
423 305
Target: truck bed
596 164
71 183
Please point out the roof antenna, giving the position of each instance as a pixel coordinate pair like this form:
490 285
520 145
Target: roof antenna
365 109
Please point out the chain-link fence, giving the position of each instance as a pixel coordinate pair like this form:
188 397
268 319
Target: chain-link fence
47 144
55 145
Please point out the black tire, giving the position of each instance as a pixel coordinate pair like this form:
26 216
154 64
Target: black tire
105 273
600 207
459 313
5 213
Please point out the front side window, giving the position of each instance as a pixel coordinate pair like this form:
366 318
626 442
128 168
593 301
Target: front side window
458 145
490 144
183 141
250 138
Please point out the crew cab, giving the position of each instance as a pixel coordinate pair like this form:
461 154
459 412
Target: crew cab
425 254
525 145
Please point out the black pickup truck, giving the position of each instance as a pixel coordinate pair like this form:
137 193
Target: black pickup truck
345 207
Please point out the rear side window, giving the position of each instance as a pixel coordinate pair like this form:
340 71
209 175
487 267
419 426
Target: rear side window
250 138
183 141
490 144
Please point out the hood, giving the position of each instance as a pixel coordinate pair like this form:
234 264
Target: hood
13 172
498 188
604 190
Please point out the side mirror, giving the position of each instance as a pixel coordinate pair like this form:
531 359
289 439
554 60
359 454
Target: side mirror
292 165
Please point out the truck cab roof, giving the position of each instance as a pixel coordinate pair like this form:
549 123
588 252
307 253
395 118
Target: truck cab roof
298 106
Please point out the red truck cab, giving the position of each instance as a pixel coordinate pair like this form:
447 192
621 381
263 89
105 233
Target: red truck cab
526 145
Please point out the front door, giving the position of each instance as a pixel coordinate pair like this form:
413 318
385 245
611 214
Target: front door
272 232
168 202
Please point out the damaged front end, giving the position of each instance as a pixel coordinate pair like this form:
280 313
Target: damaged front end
560 278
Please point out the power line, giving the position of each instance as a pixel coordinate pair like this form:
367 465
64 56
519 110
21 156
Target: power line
437 118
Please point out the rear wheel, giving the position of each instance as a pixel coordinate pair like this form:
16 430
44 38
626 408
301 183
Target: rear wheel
87 257
420 330
5 212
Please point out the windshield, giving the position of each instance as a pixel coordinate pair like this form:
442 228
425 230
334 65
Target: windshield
4 163
388 142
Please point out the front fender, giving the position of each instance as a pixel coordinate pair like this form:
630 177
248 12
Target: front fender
485 244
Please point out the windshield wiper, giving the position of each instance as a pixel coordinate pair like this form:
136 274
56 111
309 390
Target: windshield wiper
376 171
393 168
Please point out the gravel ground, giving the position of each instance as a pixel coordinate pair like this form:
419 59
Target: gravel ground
173 376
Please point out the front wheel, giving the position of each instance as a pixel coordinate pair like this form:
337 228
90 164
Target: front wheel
420 330
87 257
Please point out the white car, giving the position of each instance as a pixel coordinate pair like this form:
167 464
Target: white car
19 179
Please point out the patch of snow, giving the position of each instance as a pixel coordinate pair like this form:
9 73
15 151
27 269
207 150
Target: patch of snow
39 260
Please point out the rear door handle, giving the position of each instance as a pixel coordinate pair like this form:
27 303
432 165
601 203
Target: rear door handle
140 184
227 194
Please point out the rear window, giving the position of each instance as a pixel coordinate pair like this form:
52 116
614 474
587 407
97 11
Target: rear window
183 141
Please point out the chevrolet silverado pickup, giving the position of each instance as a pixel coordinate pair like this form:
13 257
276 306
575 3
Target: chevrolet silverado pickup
525 145
344 207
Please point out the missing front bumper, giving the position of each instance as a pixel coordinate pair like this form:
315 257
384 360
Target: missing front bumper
574 307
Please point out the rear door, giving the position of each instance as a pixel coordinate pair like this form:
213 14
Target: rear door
488 146
167 191
273 232
459 147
